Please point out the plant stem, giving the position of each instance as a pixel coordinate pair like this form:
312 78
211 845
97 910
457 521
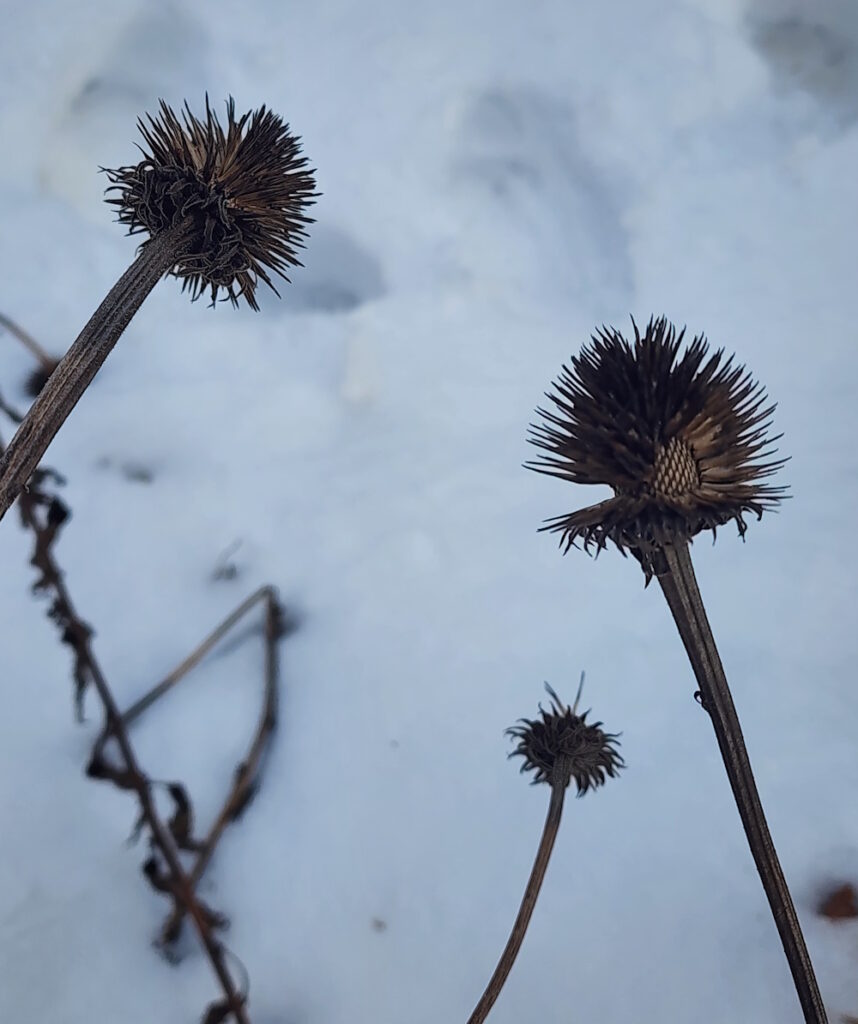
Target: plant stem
678 582
534 884
83 360
185 890
160 834
265 593
247 777
79 636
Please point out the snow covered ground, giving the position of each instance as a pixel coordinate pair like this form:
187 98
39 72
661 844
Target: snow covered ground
498 178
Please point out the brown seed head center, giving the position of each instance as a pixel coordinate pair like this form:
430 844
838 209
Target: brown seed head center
676 471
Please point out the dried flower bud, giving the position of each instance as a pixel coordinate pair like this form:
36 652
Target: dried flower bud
561 746
678 439
246 189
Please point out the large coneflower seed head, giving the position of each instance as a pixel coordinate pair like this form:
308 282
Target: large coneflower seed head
244 188
680 438
561 745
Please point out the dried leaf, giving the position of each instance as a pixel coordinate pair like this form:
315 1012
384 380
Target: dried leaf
217 1012
158 878
246 792
99 768
181 824
213 918
840 904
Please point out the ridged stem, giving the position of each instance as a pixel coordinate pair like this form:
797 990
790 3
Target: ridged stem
679 584
534 884
83 360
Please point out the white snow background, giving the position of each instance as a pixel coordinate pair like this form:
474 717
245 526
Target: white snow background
498 178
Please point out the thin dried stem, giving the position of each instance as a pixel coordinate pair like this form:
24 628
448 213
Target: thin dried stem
246 776
248 771
78 633
266 593
46 361
679 584
136 779
83 360
534 884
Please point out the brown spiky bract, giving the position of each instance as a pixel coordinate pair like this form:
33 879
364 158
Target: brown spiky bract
245 189
561 745
681 440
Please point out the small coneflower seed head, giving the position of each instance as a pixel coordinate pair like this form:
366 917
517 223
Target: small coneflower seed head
561 746
244 189
681 440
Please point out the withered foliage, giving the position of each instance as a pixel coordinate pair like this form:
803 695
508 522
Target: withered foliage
217 1012
43 513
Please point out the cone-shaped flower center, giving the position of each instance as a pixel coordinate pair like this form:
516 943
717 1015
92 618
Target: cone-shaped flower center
676 471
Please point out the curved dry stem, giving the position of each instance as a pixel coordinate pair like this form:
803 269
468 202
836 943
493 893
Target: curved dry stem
679 584
266 593
534 884
248 771
133 777
246 776
83 360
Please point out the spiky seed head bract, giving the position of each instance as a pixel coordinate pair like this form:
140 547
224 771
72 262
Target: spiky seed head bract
246 189
561 745
680 439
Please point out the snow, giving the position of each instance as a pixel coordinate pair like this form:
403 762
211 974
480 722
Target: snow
498 179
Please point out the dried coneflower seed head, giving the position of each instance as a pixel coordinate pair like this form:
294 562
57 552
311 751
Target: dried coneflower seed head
681 440
245 189
561 745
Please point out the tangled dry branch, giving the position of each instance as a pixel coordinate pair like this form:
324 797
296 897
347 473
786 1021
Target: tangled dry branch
43 513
